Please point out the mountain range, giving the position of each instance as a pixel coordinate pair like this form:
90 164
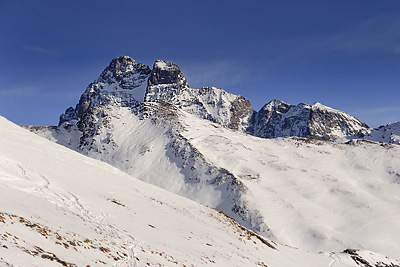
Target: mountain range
303 178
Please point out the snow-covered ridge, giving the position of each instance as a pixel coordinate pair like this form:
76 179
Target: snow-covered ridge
94 214
211 103
279 119
297 191
313 194
122 83
126 83
389 133
132 139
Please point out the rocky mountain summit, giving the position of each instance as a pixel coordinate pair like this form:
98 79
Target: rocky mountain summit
389 133
122 83
167 83
126 83
278 119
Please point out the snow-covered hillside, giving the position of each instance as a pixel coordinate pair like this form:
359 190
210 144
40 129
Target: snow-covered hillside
60 208
313 194
302 192
146 142
305 193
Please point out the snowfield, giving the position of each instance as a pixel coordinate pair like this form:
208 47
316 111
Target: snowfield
313 195
60 208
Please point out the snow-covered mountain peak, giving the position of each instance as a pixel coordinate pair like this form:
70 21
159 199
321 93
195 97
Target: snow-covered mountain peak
389 133
167 83
120 66
321 107
125 83
274 105
123 69
122 83
317 121
167 72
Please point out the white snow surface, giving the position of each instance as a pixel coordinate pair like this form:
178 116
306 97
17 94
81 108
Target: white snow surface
313 194
163 65
309 194
60 208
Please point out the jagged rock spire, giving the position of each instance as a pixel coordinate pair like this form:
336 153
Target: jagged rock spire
123 82
166 72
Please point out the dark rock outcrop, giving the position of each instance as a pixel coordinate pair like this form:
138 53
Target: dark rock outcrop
167 83
278 119
122 83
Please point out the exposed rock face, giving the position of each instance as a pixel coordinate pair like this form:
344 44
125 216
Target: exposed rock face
152 132
374 259
166 72
122 83
126 83
278 119
329 124
389 133
167 83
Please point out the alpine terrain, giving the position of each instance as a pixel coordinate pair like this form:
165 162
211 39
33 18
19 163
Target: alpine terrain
288 185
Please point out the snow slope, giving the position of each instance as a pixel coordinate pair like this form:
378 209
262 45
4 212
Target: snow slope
145 142
305 193
60 208
313 194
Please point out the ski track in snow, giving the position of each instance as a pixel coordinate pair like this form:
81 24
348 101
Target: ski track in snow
38 184
335 259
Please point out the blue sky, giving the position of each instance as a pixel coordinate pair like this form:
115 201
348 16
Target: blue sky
344 54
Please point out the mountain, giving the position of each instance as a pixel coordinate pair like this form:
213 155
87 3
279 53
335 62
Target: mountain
126 83
167 83
279 119
389 133
300 191
60 208
264 184
133 139
122 83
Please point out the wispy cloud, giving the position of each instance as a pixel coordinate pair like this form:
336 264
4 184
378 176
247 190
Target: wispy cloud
380 34
378 110
377 116
376 36
41 50
223 72
23 91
